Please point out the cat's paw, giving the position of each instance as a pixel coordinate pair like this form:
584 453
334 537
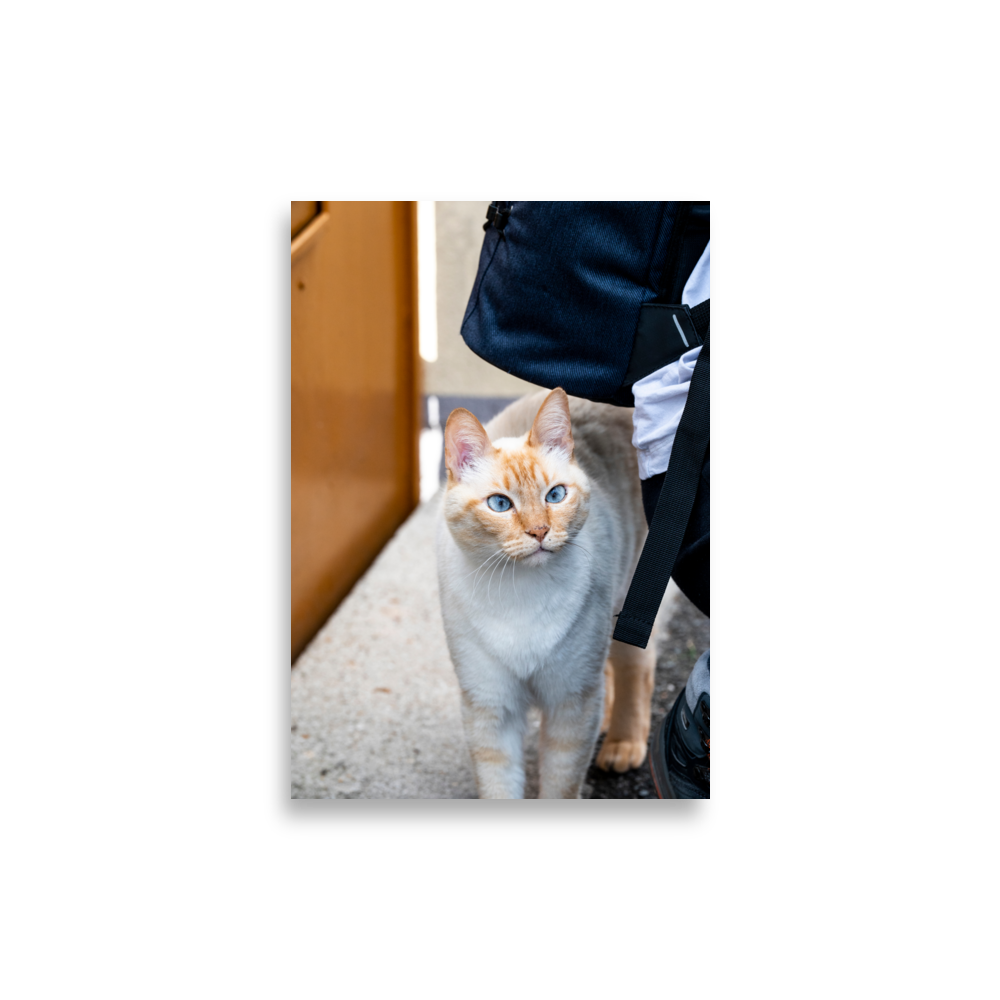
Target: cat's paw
620 755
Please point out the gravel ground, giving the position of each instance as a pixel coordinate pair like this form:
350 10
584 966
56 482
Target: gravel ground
683 641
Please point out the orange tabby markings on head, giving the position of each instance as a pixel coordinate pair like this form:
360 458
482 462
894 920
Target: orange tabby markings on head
524 471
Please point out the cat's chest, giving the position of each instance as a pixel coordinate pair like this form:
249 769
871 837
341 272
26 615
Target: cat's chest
527 622
530 608
523 618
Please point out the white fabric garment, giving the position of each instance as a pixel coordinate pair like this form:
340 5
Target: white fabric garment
660 397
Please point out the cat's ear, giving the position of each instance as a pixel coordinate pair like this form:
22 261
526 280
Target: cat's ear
552 428
465 441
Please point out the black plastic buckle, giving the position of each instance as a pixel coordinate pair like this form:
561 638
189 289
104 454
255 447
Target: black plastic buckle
665 332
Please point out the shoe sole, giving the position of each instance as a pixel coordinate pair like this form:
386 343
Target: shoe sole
658 761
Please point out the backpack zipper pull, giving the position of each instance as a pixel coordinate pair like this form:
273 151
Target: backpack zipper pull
497 217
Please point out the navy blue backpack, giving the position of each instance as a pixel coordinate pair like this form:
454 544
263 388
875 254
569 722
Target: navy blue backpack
586 295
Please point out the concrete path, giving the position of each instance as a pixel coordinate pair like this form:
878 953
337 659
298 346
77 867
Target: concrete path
375 702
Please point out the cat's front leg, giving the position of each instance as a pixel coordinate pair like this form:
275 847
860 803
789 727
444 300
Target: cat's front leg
496 745
628 726
566 743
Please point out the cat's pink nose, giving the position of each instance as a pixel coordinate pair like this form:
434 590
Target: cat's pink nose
538 533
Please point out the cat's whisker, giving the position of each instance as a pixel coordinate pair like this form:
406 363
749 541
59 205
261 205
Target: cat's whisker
481 567
500 584
491 581
503 566
482 576
465 576
513 563
475 585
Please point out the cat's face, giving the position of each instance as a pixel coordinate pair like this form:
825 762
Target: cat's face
523 496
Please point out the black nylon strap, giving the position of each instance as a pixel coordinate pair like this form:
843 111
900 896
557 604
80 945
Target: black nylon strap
699 316
673 509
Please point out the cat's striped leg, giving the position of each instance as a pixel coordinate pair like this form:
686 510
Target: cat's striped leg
566 743
628 734
496 745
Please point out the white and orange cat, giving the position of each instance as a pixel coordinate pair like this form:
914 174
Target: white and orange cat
541 528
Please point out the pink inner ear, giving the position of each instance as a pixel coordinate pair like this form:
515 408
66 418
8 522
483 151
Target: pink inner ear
465 452
465 441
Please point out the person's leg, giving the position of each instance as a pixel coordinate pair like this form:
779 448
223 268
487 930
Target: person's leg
680 757
680 754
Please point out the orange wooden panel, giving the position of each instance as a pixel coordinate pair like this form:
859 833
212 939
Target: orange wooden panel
354 398
302 213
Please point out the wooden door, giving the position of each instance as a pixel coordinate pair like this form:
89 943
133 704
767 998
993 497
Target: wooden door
354 398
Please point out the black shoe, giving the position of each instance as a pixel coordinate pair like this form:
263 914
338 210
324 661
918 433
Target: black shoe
679 757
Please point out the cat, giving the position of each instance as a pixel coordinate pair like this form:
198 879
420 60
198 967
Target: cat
540 527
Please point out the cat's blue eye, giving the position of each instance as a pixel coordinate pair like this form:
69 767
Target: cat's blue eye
556 494
498 502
